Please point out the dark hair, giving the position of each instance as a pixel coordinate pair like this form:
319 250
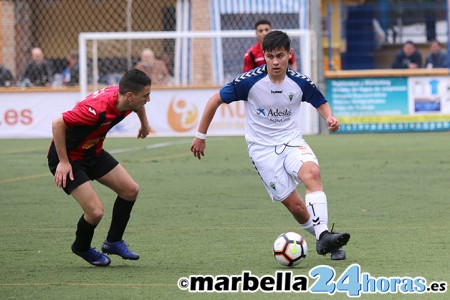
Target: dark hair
410 42
276 40
434 41
263 22
133 81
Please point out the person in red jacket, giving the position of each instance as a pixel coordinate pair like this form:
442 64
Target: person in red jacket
76 156
254 57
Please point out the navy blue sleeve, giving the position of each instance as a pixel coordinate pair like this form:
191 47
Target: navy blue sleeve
228 93
315 97
311 93
239 87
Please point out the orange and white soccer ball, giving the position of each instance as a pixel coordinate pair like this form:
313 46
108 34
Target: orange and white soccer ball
290 249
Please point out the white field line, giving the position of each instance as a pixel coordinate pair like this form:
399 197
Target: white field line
151 146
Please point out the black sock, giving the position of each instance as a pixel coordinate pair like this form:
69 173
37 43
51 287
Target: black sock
120 216
84 235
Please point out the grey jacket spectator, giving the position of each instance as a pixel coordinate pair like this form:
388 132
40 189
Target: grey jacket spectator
38 71
6 77
437 58
408 57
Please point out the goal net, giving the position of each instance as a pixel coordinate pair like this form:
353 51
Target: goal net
199 62
193 58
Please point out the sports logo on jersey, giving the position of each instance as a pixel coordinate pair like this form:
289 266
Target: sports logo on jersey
261 111
291 96
91 110
90 143
279 113
275 115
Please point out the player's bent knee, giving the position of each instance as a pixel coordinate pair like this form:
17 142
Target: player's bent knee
94 216
135 191
131 193
310 174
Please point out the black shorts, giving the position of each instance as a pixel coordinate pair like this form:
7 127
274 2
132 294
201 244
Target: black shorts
84 170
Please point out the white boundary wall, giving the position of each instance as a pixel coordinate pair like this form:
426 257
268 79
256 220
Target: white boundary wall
171 112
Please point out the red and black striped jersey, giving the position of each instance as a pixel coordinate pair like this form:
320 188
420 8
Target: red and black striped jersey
89 122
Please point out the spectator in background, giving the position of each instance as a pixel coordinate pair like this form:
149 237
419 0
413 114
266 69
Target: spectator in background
6 77
167 59
154 68
437 58
38 71
408 57
254 57
71 73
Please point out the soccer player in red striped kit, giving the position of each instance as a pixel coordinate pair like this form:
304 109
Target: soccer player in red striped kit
76 156
254 57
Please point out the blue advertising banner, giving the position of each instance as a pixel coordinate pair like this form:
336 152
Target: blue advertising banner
368 96
390 104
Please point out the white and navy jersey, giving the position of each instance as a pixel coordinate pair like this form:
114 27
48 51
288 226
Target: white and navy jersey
272 109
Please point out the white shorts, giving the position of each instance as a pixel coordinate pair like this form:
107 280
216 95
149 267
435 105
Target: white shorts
278 166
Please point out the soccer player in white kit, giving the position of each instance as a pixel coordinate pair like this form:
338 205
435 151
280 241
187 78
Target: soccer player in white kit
273 94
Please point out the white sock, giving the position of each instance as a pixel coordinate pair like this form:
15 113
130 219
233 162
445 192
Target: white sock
316 203
308 226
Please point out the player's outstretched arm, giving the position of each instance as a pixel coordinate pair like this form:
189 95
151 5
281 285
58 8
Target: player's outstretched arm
326 113
199 143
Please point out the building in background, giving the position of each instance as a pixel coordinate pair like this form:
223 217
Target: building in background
365 34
